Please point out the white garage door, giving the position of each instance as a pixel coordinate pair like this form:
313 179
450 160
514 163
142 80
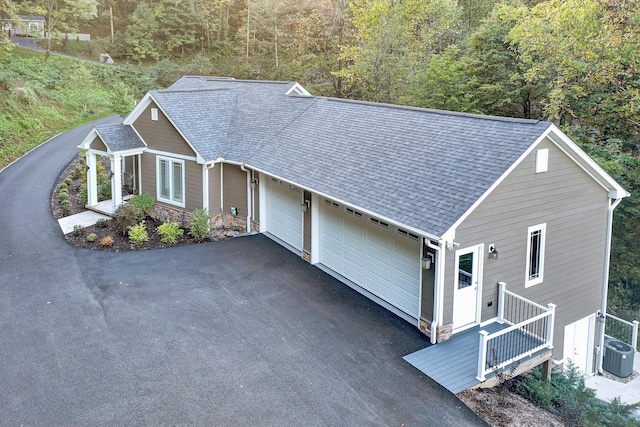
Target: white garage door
377 256
284 218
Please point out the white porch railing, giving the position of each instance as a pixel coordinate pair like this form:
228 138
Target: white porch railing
530 330
622 330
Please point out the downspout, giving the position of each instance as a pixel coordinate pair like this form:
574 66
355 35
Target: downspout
205 185
605 281
436 290
248 197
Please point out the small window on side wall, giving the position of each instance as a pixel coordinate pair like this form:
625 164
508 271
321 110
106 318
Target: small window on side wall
542 160
154 114
536 240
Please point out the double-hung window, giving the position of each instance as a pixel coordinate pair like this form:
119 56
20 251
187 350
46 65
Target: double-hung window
536 237
170 179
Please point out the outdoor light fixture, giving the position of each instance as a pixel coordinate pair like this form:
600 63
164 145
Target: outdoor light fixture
493 252
254 183
111 174
304 206
427 261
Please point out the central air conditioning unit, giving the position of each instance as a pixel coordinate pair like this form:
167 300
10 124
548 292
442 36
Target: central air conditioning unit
618 358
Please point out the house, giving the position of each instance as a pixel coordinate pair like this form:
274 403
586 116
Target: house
32 25
452 221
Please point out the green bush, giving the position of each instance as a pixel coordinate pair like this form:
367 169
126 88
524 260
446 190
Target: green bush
127 215
170 231
68 181
63 195
102 223
64 187
144 202
138 234
104 190
200 225
576 404
66 207
91 237
78 230
84 196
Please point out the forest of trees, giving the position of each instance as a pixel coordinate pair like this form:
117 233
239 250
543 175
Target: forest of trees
573 62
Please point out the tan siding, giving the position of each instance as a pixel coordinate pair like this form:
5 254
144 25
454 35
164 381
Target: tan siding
193 186
193 181
235 189
161 135
97 144
214 190
573 206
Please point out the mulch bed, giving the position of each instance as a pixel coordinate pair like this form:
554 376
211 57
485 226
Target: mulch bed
121 241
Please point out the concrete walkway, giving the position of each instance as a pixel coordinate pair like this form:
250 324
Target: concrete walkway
607 389
85 219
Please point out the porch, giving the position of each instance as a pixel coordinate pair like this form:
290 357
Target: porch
522 334
107 207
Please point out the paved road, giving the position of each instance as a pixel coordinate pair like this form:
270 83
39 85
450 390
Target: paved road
240 332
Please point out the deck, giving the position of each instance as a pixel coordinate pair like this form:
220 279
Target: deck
454 363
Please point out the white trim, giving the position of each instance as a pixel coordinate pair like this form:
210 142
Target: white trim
154 114
171 155
170 200
542 160
477 251
571 149
139 109
297 89
528 281
88 139
350 205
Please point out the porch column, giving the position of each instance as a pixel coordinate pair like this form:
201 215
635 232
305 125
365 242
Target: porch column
92 179
116 181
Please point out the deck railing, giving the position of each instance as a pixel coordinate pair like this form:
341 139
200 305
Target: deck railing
622 330
530 330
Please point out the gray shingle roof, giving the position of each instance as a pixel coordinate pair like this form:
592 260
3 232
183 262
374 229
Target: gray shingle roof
229 118
421 168
118 137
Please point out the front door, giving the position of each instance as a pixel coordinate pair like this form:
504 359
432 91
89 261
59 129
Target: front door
466 286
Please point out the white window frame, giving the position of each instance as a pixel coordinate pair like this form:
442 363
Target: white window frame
154 114
542 160
530 280
171 200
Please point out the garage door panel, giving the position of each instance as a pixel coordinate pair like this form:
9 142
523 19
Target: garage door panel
283 213
369 253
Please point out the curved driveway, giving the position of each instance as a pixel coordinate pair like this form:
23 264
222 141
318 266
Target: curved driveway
240 332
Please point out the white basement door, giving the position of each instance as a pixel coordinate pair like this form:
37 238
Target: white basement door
284 217
374 255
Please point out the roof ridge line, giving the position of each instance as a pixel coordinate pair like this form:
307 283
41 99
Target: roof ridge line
436 111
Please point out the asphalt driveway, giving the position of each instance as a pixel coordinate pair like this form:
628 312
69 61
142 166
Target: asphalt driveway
240 332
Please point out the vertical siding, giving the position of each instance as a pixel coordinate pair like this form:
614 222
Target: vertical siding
193 181
214 190
573 206
235 189
160 134
428 280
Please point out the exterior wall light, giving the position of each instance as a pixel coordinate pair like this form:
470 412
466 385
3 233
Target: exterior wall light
493 252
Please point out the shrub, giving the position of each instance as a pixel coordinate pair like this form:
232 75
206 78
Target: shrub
127 215
66 207
64 187
102 223
144 202
104 190
576 404
63 195
170 231
106 241
91 237
200 224
84 196
68 181
78 229
138 234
